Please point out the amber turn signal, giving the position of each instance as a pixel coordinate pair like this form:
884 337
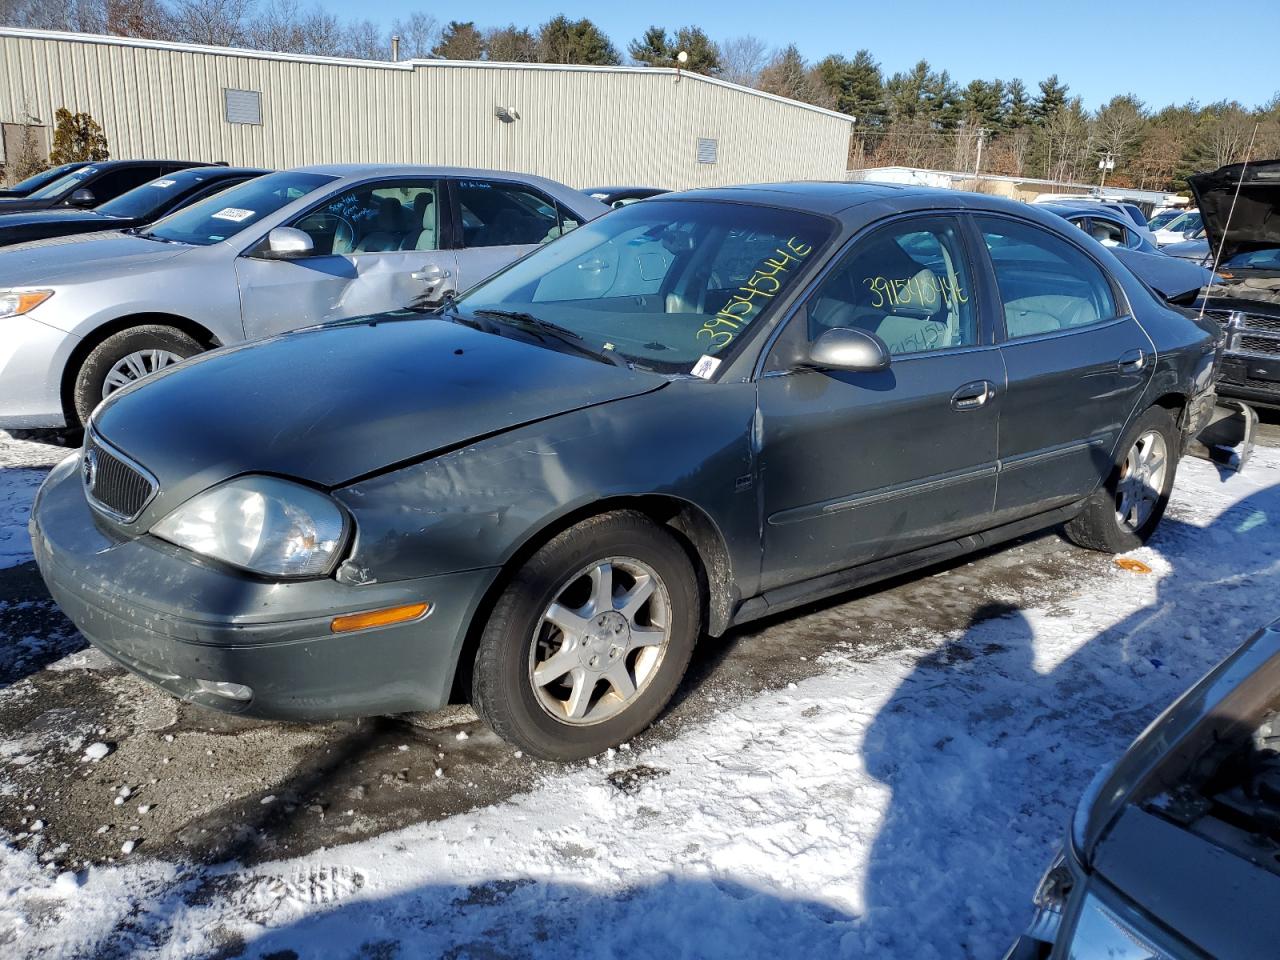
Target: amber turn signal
378 618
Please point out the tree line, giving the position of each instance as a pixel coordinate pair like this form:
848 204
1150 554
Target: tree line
920 117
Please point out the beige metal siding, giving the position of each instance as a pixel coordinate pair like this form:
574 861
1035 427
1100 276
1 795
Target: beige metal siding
580 126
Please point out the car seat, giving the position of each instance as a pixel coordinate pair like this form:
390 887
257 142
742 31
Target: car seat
388 230
424 215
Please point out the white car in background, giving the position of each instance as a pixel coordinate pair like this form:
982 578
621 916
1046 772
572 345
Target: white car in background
1179 228
84 316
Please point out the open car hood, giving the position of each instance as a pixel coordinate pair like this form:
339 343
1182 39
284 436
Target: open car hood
1173 278
1255 223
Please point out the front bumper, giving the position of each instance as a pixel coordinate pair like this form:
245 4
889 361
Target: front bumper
1252 378
33 356
175 620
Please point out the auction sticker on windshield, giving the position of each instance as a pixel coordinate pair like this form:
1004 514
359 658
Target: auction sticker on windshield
235 214
163 183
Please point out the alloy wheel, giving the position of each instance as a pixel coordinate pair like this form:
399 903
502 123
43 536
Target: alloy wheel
600 641
1141 481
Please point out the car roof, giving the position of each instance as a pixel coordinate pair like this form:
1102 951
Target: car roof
362 170
1097 210
98 164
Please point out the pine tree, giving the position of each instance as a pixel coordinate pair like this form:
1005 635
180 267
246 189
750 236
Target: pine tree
561 40
1053 97
1017 108
460 41
77 136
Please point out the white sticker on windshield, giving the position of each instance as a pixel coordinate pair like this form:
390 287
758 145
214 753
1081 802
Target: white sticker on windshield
234 214
705 367
163 183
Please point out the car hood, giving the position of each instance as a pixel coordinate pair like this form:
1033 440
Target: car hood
55 216
1255 222
330 404
81 257
1172 277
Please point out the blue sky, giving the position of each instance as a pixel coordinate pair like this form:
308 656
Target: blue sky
1098 48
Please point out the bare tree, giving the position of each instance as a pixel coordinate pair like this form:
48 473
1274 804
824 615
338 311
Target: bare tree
418 33
742 59
283 27
363 40
218 23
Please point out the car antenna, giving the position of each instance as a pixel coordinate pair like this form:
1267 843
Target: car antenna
1217 257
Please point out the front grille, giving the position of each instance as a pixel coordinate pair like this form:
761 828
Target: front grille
113 483
1250 344
1264 324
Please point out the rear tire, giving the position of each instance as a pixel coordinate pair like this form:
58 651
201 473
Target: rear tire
590 639
1123 513
125 357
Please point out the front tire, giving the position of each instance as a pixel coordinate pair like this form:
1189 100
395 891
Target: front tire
590 639
1124 512
124 357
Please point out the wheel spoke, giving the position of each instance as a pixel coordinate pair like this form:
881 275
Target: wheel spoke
601 587
570 622
646 637
619 678
629 604
136 366
580 698
116 379
555 666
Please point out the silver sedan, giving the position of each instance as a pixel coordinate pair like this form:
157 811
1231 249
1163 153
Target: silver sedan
86 315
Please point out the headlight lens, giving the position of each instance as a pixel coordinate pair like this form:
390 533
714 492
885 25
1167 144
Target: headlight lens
263 524
14 303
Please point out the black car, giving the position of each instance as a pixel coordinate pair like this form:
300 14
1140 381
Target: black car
92 184
1240 211
138 207
685 415
37 180
621 196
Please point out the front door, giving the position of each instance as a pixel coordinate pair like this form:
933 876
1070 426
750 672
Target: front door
376 248
1077 364
860 466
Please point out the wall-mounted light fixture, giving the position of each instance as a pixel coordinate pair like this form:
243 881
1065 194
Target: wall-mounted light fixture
506 114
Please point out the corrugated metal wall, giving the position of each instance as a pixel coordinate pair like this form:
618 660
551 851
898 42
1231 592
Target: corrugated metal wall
580 126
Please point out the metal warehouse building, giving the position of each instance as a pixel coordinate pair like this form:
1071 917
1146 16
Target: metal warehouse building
580 125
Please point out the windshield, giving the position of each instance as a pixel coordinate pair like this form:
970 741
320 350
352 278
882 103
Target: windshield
1161 220
155 195
1268 259
63 184
37 180
1187 223
227 213
669 285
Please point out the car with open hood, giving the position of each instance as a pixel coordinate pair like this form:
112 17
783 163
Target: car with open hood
134 208
86 315
696 411
1174 851
1240 211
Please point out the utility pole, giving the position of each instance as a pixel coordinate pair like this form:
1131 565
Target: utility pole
982 135
1106 163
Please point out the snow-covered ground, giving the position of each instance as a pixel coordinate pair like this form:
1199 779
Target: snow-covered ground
898 803
23 465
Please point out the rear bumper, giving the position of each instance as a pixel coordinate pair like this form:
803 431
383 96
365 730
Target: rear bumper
176 621
33 357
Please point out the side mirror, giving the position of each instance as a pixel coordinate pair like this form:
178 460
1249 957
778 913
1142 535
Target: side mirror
82 198
844 348
287 243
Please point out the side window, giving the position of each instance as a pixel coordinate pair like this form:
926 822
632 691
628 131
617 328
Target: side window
376 218
496 214
1107 233
907 283
115 182
1046 283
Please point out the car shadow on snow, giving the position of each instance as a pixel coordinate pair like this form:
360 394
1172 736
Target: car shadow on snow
670 918
987 747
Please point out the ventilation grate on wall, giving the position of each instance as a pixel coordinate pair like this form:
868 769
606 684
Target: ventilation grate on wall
243 106
707 150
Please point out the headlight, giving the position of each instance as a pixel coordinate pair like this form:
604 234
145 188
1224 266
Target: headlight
262 524
14 303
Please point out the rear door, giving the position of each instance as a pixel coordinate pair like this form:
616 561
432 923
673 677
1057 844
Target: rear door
499 221
376 248
1077 364
860 466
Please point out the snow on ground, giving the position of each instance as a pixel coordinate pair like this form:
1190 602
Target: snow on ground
895 805
23 465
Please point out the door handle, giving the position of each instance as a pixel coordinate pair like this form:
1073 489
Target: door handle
431 274
973 395
1131 362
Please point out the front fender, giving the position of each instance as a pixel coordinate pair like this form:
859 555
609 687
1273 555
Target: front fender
478 505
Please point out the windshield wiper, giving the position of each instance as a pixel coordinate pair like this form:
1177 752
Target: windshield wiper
543 328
